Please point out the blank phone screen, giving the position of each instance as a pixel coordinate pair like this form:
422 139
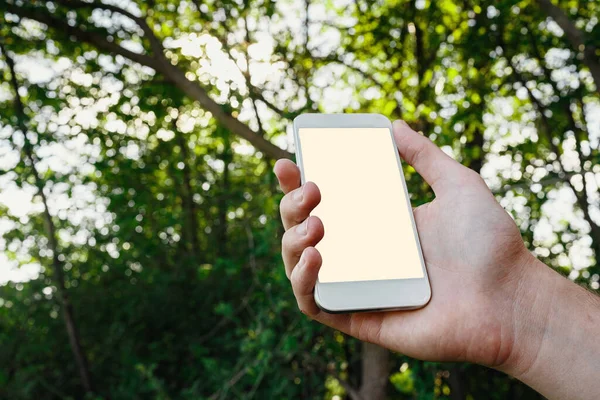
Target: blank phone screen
369 234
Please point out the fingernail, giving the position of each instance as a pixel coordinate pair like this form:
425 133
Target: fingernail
299 194
302 229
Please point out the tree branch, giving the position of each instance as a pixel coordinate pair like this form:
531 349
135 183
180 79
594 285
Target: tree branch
164 66
88 37
316 364
353 393
248 79
365 75
253 90
148 32
563 177
233 380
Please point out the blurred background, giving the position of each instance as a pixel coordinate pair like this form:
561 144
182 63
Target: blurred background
139 230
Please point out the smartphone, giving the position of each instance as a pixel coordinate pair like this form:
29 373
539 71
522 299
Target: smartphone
372 259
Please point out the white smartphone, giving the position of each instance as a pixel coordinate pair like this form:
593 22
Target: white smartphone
372 257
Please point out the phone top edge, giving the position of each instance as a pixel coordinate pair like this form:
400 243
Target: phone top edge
359 120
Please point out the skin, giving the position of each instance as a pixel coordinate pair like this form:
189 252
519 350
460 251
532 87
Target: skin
493 303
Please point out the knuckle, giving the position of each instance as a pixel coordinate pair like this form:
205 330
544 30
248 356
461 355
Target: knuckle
284 206
296 282
291 241
308 311
292 211
417 154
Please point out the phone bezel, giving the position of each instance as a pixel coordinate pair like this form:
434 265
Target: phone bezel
379 295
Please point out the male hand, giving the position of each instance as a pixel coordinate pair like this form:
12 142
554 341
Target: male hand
492 302
473 250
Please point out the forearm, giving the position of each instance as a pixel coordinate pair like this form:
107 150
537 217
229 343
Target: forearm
556 347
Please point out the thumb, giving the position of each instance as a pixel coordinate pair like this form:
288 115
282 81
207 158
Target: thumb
435 166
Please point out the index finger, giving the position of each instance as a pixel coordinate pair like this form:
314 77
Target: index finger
288 175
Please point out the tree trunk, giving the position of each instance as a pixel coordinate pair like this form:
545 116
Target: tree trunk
375 372
57 267
575 37
223 200
455 381
187 198
476 143
583 204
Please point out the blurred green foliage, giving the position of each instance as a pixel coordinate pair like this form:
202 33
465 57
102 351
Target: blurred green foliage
167 222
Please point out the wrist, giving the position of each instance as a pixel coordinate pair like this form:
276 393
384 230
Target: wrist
529 320
555 324
515 317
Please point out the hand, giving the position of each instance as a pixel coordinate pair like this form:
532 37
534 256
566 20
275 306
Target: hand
473 250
